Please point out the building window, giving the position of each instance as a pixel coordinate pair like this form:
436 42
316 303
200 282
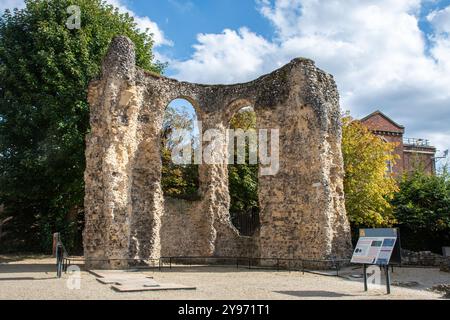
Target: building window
389 166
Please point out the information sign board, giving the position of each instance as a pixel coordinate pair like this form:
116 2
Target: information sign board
374 250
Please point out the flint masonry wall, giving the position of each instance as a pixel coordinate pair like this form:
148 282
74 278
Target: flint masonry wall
302 206
184 229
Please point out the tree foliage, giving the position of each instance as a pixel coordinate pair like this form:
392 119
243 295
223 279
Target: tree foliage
243 178
368 186
179 181
422 208
45 69
182 181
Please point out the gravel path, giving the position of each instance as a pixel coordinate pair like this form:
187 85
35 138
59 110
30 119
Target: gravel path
35 278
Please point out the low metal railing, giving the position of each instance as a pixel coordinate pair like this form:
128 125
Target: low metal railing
250 263
416 142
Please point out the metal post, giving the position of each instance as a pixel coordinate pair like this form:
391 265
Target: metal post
388 280
59 260
170 262
365 276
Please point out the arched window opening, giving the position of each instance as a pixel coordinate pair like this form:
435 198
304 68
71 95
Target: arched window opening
179 137
243 177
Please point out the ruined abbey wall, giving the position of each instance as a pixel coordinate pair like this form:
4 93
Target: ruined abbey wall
127 217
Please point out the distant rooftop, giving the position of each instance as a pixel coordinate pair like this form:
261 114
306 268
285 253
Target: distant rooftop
373 123
378 112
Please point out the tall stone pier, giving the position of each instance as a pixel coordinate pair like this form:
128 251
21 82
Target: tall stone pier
302 212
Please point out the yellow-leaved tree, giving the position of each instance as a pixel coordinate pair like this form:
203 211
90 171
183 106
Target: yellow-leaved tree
368 184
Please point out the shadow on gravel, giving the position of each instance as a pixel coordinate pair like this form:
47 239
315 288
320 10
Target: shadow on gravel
314 294
8 258
25 278
213 269
27 268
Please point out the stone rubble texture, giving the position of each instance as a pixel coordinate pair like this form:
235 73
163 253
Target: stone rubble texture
425 259
302 212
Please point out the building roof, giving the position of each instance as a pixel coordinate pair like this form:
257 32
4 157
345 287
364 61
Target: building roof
379 113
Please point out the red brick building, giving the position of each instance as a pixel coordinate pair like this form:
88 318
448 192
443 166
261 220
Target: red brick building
413 153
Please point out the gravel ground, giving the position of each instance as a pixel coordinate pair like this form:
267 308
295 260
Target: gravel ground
35 278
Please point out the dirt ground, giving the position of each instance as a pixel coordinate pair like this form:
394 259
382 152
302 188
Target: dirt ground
34 277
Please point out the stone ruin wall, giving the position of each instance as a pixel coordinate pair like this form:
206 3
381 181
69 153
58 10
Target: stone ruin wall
302 211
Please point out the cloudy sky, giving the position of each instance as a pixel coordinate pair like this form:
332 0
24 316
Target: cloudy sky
391 55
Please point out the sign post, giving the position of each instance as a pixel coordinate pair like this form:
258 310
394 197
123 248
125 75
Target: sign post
388 280
365 276
58 252
379 247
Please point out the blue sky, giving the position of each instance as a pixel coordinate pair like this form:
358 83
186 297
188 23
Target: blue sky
183 20
411 83
392 55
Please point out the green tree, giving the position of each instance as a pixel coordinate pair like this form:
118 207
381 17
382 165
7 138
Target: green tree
422 208
368 186
45 69
243 178
178 181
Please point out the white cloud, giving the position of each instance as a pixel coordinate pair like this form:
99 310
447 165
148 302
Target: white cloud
11 4
183 6
226 57
374 48
441 20
143 23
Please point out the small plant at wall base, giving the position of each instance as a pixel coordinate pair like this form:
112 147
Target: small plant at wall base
368 186
45 69
422 208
